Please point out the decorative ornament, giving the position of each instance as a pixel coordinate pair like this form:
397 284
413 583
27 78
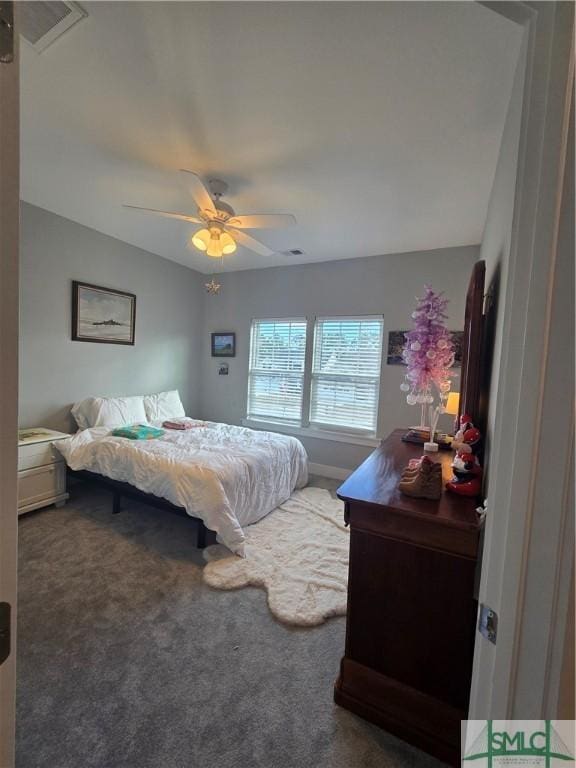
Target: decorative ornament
405 387
213 288
415 346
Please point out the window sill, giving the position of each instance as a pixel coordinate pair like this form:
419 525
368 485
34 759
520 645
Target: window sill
319 434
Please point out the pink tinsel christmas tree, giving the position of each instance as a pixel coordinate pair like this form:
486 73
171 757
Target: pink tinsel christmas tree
428 353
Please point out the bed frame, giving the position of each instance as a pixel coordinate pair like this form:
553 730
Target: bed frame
120 489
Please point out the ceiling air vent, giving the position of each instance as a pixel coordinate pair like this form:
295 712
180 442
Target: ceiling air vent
294 252
41 23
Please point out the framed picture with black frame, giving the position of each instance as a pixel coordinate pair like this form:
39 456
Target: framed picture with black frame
102 315
224 344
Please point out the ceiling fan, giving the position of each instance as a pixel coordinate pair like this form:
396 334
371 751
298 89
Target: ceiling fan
221 226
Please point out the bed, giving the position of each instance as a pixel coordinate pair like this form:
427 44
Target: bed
227 476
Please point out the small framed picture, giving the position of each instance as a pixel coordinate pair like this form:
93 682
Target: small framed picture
396 341
223 345
223 369
102 315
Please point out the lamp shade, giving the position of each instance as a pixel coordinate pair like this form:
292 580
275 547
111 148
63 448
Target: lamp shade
452 404
214 242
201 239
228 243
214 249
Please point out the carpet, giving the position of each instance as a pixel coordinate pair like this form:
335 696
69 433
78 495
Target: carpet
298 553
127 659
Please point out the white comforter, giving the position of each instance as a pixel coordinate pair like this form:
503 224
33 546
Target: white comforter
228 476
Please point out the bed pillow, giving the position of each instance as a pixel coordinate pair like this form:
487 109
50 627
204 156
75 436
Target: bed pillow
164 405
109 411
84 412
117 411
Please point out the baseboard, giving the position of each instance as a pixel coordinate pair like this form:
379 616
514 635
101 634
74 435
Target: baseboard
325 470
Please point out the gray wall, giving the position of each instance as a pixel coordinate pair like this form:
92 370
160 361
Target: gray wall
174 319
384 285
495 248
55 371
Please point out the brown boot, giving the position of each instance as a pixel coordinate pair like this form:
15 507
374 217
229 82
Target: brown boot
410 472
426 485
424 467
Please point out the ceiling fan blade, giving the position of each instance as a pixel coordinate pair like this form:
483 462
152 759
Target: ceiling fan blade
167 214
263 221
249 242
197 189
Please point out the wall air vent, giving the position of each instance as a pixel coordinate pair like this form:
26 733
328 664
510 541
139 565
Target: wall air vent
41 23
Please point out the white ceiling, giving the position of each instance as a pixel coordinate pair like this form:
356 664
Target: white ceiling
376 124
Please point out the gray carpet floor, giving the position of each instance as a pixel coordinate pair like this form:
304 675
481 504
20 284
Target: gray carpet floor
127 660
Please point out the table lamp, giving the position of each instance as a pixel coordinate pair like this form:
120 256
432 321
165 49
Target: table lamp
451 407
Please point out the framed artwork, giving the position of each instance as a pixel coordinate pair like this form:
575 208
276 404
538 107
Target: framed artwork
223 344
396 341
102 315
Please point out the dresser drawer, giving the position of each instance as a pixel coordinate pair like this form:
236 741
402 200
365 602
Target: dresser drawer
37 455
41 483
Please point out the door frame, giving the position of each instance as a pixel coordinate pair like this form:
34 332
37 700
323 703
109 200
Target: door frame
9 267
519 676
528 493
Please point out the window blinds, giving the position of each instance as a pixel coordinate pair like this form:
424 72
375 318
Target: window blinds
346 373
277 352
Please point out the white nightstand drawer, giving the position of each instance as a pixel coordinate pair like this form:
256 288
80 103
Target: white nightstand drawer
37 455
41 483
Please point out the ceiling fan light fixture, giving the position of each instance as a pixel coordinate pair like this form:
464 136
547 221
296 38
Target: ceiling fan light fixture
214 242
214 249
201 239
228 243
215 216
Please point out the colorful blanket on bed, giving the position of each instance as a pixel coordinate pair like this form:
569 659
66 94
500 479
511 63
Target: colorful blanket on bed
138 432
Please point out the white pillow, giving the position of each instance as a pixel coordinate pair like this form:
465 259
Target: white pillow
109 411
164 405
84 412
116 411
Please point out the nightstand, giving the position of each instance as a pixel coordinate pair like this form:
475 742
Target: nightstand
41 469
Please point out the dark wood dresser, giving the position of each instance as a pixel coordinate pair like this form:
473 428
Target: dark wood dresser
411 608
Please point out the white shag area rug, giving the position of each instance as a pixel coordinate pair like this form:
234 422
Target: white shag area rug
298 553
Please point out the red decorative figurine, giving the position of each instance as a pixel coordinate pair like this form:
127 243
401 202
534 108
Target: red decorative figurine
467 479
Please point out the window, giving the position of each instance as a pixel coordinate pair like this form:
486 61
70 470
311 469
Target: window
337 391
346 373
276 378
